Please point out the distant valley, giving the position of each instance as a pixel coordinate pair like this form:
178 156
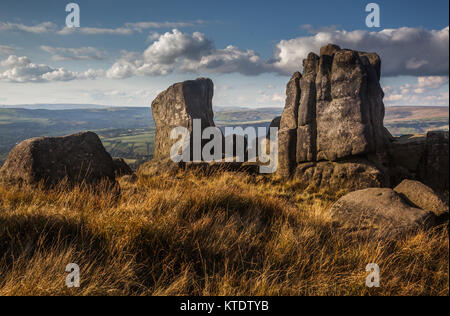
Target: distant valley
128 132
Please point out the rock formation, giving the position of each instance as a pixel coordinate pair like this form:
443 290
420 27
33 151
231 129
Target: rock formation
79 158
178 106
434 167
422 157
334 112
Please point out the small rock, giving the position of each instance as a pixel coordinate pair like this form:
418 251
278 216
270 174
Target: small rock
379 210
421 196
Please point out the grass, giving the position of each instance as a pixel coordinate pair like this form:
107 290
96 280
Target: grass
191 234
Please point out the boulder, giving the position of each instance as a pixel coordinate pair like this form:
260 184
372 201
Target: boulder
121 168
178 106
78 158
379 210
421 196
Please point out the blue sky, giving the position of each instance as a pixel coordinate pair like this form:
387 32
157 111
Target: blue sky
128 51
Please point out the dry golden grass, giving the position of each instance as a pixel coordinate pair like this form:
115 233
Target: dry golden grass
223 234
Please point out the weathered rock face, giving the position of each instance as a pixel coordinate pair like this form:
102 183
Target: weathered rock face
81 158
276 123
422 196
424 158
434 167
379 210
334 111
407 151
179 105
336 176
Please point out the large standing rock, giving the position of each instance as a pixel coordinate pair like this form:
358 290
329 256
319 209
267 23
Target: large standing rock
422 196
345 120
79 158
334 112
178 106
378 210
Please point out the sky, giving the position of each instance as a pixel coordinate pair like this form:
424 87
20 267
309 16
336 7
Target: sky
126 52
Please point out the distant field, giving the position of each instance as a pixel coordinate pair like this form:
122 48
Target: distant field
403 120
129 132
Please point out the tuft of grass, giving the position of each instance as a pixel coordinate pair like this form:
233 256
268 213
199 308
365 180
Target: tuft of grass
195 234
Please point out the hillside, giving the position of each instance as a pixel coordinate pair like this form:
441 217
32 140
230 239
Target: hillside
186 235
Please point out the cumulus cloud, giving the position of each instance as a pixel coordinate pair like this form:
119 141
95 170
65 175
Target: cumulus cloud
81 53
228 60
404 51
21 70
187 53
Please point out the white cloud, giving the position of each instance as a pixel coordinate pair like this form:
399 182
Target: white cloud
228 60
427 91
21 70
126 29
187 53
7 50
96 31
82 53
140 26
45 27
404 51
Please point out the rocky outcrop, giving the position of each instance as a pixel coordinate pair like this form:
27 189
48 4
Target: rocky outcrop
339 176
178 106
434 166
334 112
407 152
379 210
421 196
78 158
422 157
